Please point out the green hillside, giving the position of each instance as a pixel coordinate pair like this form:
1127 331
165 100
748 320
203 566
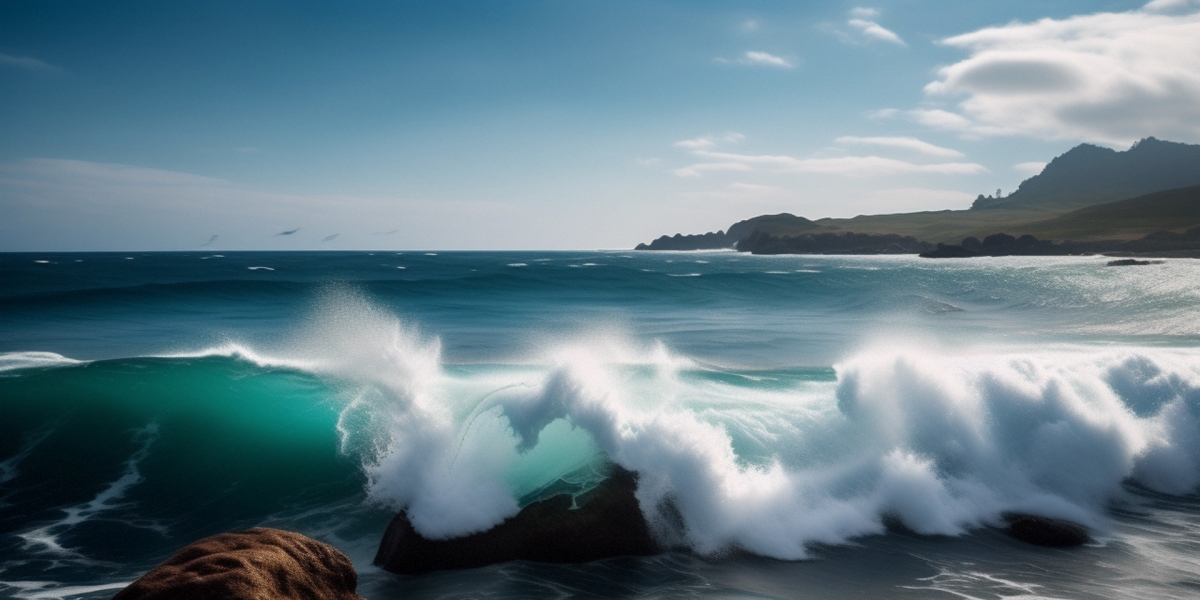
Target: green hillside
1171 210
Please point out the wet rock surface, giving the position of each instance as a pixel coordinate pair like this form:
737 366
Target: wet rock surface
257 564
1044 531
607 522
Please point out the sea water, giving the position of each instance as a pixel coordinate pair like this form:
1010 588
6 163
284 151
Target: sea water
802 426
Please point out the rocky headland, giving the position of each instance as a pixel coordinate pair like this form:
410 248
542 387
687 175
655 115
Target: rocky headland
1143 201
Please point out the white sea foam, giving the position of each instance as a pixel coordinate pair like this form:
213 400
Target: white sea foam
9 467
942 441
260 268
29 360
53 590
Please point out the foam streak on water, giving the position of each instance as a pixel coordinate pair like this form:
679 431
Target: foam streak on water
44 539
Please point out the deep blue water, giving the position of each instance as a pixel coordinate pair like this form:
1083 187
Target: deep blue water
787 407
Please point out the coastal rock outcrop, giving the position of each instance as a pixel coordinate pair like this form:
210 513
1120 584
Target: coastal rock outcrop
607 522
1044 531
254 564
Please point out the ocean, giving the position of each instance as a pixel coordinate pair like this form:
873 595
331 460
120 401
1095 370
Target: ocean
824 426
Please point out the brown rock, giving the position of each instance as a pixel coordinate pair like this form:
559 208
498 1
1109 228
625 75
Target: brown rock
256 564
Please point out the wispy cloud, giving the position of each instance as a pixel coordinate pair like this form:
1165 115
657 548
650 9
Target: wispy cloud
709 141
78 205
758 59
875 31
906 143
864 27
845 165
28 63
749 26
1105 77
862 12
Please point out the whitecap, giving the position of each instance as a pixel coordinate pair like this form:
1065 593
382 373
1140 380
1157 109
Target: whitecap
517 265
29 360
683 274
260 268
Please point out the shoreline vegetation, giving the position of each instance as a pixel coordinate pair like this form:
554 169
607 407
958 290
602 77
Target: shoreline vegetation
1144 201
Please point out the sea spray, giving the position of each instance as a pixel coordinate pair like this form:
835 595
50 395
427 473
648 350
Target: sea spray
942 443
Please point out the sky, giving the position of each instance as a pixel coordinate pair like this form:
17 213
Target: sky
272 125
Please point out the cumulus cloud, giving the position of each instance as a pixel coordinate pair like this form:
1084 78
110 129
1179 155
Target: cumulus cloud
27 63
1106 77
758 59
844 165
906 143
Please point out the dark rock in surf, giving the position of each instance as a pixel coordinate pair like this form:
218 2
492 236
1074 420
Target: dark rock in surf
608 522
950 251
1129 262
1044 531
250 565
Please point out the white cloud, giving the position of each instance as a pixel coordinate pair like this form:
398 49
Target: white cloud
1106 77
861 12
907 143
758 59
648 162
749 26
1029 168
709 141
28 63
875 31
698 169
940 119
845 165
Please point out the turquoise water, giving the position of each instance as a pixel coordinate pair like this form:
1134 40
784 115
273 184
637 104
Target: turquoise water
827 427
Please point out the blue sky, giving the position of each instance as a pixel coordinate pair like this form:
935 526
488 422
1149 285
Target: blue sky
139 125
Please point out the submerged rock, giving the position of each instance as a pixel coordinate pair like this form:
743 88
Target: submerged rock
608 522
1044 531
255 564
